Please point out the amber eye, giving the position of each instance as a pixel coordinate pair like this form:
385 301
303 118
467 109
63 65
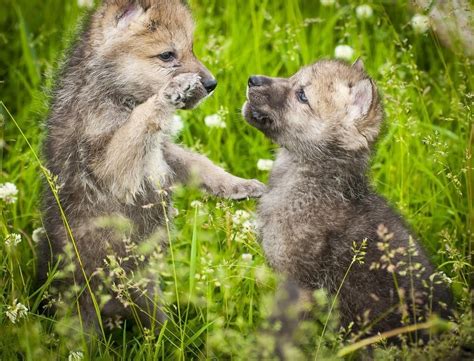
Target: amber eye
167 56
301 96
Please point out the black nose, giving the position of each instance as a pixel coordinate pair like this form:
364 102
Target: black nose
209 85
256 80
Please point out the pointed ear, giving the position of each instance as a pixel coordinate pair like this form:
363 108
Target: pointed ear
361 97
359 64
128 14
125 11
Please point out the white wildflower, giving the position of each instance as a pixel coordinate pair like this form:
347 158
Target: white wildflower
214 121
249 226
38 234
75 356
16 312
327 2
247 257
240 216
420 23
85 3
445 277
8 192
13 239
265 164
196 204
364 12
344 52
177 125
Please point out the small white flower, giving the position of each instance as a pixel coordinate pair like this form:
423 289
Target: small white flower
38 234
247 257
85 3
16 312
214 121
177 125
364 12
344 52
8 192
420 23
196 204
327 2
75 356
265 164
249 226
13 239
240 216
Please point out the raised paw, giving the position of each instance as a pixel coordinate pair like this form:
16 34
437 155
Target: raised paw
181 89
247 188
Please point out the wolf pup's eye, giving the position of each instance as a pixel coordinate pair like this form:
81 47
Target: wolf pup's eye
300 94
167 56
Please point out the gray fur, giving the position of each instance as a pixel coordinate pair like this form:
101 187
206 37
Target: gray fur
109 144
319 200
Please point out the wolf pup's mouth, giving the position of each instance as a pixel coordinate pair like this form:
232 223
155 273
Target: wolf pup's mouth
255 116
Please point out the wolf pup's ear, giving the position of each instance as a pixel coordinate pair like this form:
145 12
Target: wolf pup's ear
128 14
126 11
361 97
359 64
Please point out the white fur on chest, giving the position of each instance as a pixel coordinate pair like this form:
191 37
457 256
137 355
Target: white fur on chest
156 169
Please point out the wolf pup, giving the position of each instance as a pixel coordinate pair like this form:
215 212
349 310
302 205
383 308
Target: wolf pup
108 144
326 119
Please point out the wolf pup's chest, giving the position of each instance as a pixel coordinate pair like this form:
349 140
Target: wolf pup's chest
156 169
273 212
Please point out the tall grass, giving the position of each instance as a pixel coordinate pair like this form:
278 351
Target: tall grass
218 301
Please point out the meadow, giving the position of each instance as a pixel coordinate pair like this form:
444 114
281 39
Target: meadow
217 287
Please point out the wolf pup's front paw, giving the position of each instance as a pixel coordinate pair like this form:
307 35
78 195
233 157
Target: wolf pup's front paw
246 188
181 88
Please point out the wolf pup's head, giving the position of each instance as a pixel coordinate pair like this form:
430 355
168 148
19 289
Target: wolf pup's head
327 103
140 45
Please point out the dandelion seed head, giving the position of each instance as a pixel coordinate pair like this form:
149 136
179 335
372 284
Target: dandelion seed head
364 12
196 204
344 52
8 192
247 257
214 121
420 23
38 234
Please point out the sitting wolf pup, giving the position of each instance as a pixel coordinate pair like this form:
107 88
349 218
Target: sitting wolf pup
108 143
326 119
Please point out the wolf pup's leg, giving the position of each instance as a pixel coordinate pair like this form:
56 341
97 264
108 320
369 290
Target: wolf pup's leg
124 171
188 166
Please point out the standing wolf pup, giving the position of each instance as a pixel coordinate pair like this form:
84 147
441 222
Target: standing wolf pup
326 119
108 142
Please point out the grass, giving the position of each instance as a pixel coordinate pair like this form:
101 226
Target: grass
423 165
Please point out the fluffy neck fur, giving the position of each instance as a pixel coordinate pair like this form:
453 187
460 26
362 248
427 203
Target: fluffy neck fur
335 170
